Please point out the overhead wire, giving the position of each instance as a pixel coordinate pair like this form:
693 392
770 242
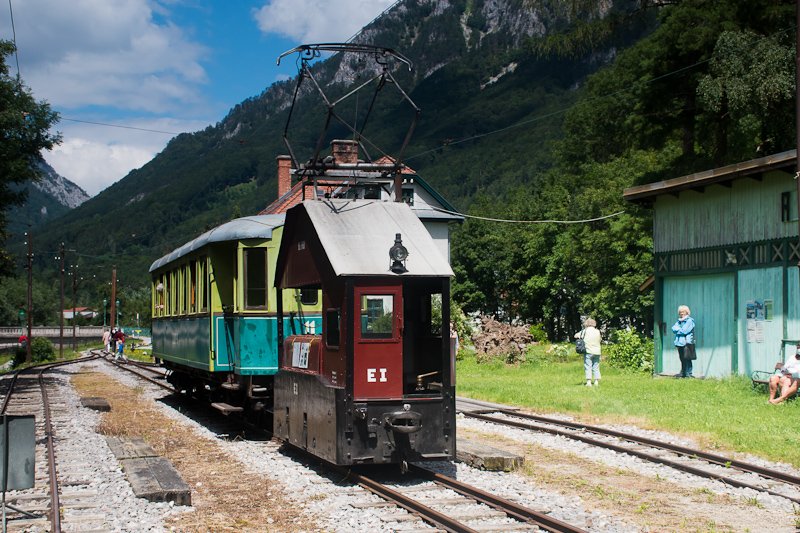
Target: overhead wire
119 126
14 39
549 221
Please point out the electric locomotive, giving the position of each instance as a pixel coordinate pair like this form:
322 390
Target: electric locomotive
331 325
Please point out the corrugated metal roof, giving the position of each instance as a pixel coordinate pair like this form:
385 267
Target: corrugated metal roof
709 177
357 235
255 227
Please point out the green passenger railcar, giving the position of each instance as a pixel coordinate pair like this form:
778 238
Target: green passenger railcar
214 311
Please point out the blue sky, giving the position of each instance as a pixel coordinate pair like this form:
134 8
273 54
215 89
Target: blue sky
167 65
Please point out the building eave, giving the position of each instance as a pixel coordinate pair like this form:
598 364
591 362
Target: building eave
647 193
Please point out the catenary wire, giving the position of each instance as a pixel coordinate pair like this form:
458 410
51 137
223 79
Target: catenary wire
14 39
528 221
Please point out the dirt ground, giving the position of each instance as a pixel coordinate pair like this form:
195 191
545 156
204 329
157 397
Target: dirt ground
654 504
223 497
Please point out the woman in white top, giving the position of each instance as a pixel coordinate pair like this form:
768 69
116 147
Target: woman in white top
785 379
591 359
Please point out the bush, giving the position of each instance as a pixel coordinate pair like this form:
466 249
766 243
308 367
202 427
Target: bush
538 333
630 351
41 350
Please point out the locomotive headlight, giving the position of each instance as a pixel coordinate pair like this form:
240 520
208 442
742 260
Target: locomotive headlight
398 254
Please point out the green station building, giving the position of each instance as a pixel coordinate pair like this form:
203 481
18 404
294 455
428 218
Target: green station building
726 244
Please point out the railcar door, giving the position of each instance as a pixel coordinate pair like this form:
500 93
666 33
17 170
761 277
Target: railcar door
378 341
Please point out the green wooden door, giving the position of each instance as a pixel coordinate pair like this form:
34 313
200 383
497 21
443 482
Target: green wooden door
760 337
711 301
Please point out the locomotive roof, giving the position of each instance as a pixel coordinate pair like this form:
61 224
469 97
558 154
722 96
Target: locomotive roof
255 227
357 234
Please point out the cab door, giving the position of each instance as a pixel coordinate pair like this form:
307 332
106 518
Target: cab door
378 341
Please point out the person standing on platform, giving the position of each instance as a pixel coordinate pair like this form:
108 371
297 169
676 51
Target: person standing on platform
684 340
121 344
107 340
591 359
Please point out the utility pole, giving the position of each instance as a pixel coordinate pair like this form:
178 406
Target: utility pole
29 242
61 253
113 317
74 288
797 118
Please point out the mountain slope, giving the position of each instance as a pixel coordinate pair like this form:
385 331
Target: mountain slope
49 198
473 77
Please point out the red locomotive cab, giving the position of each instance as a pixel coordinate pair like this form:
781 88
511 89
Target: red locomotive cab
378 342
375 387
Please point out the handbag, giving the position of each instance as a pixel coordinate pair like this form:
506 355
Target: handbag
580 345
689 352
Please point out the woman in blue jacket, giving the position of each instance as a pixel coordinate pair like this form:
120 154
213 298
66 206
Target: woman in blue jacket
684 336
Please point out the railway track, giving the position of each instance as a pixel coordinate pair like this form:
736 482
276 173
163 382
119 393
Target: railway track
452 505
428 498
49 505
700 463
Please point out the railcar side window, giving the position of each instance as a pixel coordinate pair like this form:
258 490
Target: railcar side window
255 275
203 284
377 316
332 328
309 296
193 287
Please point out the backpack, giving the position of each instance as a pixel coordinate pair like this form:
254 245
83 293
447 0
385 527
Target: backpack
580 344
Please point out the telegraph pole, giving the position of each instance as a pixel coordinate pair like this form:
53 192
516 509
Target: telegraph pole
28 356
113 317
61 253
797 122
74 288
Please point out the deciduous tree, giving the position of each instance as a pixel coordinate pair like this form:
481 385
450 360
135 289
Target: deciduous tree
24 132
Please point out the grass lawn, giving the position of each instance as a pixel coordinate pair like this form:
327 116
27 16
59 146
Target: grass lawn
721 414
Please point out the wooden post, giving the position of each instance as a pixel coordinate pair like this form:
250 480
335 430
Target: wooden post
61 253
28 355
113 317
797 122
74 304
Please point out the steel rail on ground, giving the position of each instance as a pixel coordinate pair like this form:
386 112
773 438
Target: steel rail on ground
621 449
683 450
139 374
411 505
55 504
512 509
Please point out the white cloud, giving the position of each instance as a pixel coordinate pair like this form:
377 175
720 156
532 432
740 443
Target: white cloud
318 21
120 53
94 157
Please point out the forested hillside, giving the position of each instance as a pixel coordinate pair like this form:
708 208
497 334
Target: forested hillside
713 84
531 110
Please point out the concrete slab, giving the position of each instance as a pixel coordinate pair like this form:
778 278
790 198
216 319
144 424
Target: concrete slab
156 480
151 477
130 447
487 458
96 403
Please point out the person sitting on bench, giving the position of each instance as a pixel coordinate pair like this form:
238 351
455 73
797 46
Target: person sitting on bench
786 378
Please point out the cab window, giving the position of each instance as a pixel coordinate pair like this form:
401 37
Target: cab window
377 316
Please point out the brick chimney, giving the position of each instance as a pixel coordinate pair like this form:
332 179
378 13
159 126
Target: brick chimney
284 174
344 151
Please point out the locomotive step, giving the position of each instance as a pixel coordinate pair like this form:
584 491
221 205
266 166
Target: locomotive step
230 386
226 409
